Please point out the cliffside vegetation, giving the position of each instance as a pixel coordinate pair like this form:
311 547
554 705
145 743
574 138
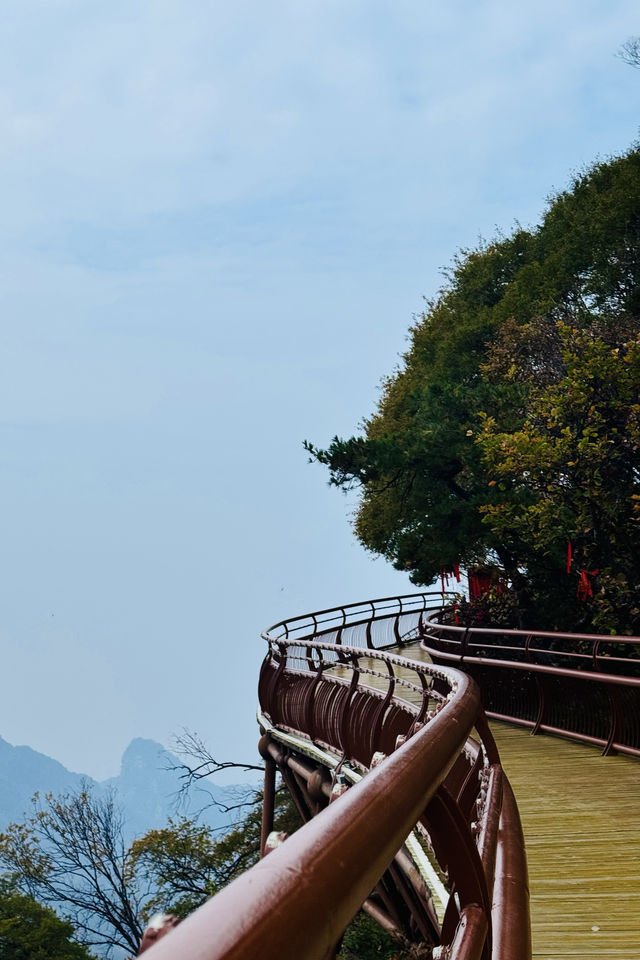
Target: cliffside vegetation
510 434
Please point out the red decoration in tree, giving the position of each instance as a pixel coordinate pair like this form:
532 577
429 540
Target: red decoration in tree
445 574
584 584
479 582
569 556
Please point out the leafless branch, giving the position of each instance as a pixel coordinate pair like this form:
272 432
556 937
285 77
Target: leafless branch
629 52
71 855
198 764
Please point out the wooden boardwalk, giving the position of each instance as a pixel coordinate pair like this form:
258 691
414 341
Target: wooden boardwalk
581 819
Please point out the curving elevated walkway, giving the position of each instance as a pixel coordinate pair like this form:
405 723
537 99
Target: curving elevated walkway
371 715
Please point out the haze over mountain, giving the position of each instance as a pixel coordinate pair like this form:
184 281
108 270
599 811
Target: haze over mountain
146 786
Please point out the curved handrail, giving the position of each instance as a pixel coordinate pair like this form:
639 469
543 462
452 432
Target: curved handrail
393 617
327 684
461 823
298 900
574 685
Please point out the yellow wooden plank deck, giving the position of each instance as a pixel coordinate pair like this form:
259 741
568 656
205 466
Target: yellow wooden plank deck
581 820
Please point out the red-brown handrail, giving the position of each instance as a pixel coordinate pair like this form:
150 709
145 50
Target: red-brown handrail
353 701
297 901
574 685
388 617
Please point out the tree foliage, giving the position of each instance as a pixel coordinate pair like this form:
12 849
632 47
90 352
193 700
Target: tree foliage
29 931
510 429
571 474
71 855
365 940
185 864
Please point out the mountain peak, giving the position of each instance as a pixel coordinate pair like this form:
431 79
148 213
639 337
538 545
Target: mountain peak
147 787
141 747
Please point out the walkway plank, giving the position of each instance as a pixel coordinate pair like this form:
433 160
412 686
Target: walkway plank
581 819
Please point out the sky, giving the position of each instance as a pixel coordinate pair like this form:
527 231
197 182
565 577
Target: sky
218 221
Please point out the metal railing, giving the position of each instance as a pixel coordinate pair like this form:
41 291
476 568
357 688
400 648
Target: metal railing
374 624
412 738
584 686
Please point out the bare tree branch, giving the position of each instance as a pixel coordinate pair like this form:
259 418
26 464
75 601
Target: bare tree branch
629 52
198 764
71 855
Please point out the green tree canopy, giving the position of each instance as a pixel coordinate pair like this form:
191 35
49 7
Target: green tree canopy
185 863
171 870
71 855
29 931
533 332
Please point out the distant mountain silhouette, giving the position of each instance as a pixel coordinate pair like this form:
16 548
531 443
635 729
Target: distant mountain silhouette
22 772
146 787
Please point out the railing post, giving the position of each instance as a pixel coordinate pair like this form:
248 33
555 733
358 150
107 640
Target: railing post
269 794
426 691
280 660
540 689
595 650
310 712
463 644
376 724
615 727
344 719
368 629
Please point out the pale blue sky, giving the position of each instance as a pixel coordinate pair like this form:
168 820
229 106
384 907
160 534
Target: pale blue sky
217 222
